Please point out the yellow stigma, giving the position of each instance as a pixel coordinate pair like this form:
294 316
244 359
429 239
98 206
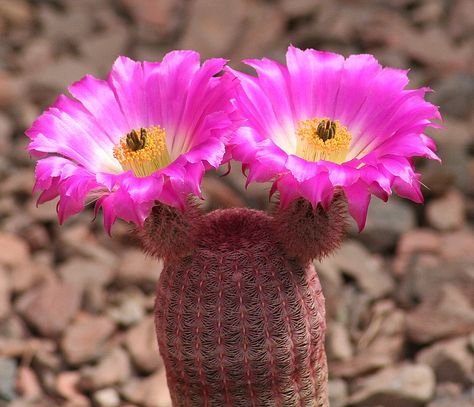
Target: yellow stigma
322 139
143 151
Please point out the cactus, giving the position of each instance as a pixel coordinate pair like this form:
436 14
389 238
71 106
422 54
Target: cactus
239 314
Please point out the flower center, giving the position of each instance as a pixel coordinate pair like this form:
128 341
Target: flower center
143 151
322 139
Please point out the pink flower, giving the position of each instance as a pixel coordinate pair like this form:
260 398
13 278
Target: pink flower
324 123
147 133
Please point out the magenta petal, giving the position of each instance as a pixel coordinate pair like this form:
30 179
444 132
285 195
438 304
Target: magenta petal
358 199
187 100
387 123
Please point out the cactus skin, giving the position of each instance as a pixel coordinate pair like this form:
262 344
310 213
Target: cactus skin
239 320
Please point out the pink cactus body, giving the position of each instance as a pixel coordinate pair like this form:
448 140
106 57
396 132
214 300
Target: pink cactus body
239 311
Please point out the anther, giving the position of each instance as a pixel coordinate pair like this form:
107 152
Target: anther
136 141
326 130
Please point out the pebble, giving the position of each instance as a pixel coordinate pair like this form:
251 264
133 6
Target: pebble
130 308
4 294
143 347
446 315
86 273
367 270
338 342
28 384
448 212
223 21
113 368
14 251
84 340
386 221
67 387
452 361
50 307
406 385
107 398
338 392
150 392
8 369
135 267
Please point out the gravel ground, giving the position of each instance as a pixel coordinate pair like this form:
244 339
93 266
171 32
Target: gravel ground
76 323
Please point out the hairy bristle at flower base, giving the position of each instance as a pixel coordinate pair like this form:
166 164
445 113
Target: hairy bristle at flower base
322 139
143 151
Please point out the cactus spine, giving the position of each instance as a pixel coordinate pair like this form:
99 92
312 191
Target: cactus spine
239 311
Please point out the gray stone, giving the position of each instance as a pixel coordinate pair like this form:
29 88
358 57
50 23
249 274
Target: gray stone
7 379
386 221
107 398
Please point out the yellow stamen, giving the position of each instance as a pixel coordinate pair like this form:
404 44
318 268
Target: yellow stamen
143 151
322 139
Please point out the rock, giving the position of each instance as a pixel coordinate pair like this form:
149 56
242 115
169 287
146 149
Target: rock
4 294
457 246
143 347
17 13
27 275
452 145
429 46
448 212
461 19
59 75
79 240
452 361
255 42
72 21
130 308
66 386
6 131
113 368
338 342
454 94
406 385
107 398
50 307
14 251
337 393
223 21
150 392
27 383
380 344
161 18
451 395
445 315
46 212
411 244
299 8
85 273
386 222
102 49
84 340
137 268
367 270
419 240
7 379
37 53
9 89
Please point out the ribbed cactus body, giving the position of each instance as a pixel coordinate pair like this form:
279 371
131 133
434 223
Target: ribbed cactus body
239 321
